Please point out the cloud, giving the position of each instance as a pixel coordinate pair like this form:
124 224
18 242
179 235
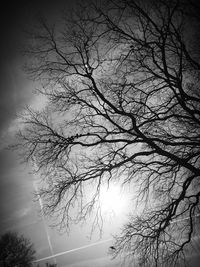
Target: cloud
17 215
13 91
22 212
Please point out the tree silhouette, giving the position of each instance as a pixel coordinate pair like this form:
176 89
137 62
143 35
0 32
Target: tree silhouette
15 251
122 80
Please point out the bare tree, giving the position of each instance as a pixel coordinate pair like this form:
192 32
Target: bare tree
15 251
122 80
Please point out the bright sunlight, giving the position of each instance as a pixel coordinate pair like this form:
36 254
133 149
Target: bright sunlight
113 200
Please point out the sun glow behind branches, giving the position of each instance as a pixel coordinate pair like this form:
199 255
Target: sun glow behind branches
113 201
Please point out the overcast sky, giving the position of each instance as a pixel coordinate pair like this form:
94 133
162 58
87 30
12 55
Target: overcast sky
18 212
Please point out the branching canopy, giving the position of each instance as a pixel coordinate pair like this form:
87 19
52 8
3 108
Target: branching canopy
122 80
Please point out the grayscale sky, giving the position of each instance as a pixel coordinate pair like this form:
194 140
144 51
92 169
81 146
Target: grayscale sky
18 211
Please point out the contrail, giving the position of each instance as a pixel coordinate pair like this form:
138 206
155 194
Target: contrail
186 218
72 250
44 223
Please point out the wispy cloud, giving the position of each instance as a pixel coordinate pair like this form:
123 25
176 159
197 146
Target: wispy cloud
18 214
22 212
